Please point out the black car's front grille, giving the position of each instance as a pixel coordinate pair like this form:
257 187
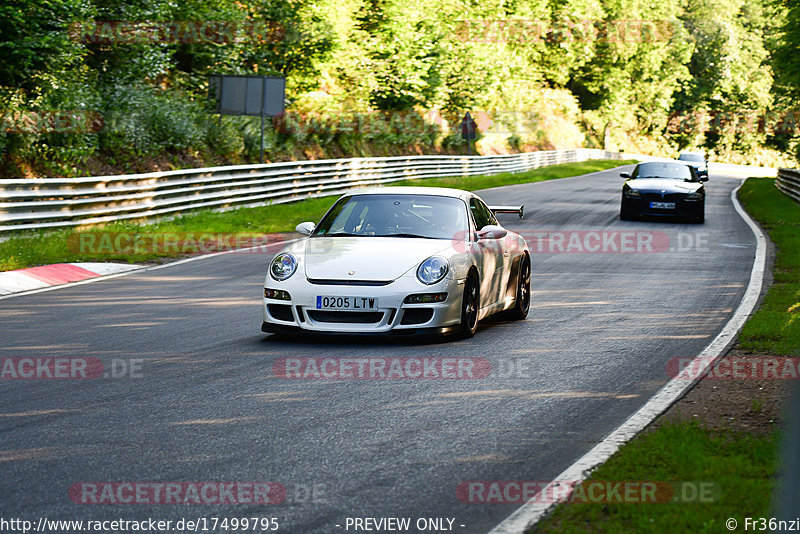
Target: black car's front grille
325 282
667 197
325 316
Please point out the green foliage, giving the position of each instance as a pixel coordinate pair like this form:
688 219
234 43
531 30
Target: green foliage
731 75
305 39
141 120
582 72
34 40
785 47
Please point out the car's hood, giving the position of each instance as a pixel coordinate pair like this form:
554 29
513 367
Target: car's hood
368 258
668 186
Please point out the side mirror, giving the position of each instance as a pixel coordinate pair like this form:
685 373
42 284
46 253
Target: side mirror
625 175
492 231
305 228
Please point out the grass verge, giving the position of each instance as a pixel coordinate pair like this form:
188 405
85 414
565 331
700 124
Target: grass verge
740 465
137 242
775 328
719 476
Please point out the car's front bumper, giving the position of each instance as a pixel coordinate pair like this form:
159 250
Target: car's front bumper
392 315
683 207
274 328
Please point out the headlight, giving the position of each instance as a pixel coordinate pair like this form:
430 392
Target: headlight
632 193
694 196
432 270
283 266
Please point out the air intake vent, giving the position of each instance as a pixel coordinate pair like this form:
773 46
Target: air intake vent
323 282
324 316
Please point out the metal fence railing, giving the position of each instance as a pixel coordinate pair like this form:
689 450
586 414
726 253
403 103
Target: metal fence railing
789 182
41 203
27 204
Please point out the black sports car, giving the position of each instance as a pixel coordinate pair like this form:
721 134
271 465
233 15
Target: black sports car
696 160
663 190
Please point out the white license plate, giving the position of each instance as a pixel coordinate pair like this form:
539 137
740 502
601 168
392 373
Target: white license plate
663 205
346 303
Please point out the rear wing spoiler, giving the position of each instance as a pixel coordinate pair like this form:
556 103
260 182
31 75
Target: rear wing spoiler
508 209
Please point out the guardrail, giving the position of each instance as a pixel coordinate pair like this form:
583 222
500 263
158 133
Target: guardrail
789 182
713 166
38 203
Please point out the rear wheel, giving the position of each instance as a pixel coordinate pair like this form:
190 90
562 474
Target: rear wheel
470 304
523 300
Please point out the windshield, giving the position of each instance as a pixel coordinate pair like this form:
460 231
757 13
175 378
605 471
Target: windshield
428 216
692 157
667 171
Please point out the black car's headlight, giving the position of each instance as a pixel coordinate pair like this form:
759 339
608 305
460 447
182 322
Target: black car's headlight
433 270
632 193
694 195
283 266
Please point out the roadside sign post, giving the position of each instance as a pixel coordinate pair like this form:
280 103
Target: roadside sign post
255 96
263 94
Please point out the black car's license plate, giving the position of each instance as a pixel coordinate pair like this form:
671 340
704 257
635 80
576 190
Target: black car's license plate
663 205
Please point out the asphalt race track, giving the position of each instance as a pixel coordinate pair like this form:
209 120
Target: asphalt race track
204 404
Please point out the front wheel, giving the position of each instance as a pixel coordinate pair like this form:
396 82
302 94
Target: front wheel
470 304
701 215
625 212
523 300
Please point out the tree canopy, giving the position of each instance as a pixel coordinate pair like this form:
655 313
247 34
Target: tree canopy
658 76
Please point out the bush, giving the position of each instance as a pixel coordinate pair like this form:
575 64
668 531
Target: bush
142 121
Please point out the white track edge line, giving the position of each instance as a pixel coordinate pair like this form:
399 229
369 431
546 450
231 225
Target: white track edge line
142 270
532 511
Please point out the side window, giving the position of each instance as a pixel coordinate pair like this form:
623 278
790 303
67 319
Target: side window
492 218
477 214
481 214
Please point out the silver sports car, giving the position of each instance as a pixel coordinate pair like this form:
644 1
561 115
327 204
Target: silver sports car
399 260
